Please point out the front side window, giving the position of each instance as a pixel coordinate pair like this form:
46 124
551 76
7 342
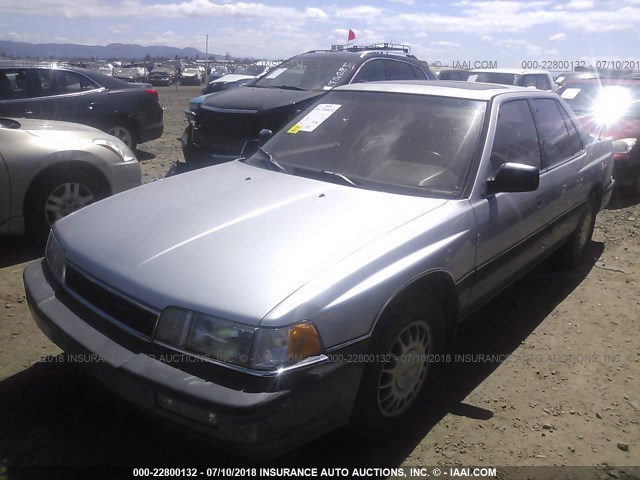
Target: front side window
516 139
413 144
371 71
399 70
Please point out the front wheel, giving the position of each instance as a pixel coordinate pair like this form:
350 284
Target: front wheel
405 345
55 196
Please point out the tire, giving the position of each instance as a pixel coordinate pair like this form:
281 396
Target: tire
572 252
55 195
124 132
391 388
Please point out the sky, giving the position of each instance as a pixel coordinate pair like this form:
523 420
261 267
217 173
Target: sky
463 32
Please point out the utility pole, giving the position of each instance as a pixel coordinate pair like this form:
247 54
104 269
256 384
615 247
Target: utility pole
206 61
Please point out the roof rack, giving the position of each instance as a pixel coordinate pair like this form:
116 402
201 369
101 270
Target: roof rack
393 47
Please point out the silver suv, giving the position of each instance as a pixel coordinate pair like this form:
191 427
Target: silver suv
265 301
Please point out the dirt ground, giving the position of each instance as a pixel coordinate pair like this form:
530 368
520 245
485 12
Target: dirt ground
550 374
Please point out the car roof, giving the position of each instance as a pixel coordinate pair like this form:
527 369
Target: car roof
607 81
441 88
518 71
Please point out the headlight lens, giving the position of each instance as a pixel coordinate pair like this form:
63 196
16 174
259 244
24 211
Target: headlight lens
230 342
279 347
623 145
118 147
54 254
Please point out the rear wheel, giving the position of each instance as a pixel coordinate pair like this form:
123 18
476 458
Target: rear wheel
56 195
404 345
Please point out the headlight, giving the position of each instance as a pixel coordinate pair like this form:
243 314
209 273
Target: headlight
230 342
623 145
116 146
54 255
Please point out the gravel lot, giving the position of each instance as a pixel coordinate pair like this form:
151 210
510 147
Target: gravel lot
568 393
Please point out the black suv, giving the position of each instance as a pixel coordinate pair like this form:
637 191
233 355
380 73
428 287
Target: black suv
225 125
128 111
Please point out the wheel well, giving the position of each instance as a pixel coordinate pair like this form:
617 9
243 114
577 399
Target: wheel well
66 166
437 285
596 191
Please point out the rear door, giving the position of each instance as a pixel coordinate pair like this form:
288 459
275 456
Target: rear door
511 225
66 95
563 156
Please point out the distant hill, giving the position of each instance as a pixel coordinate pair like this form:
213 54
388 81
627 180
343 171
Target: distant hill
69 51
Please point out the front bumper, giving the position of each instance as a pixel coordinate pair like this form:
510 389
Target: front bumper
626 171
298 406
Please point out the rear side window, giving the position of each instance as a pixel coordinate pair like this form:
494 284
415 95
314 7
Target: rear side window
516 139
556 143
13 85
60 82
576 141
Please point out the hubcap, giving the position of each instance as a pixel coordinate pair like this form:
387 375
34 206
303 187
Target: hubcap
122 133
402 377
66 198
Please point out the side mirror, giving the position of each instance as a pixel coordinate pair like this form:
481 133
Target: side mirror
514 177
264 135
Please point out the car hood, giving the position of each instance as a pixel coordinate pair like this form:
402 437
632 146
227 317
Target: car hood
231 240
257 99
45 128
232 78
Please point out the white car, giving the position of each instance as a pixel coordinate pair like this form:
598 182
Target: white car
540 79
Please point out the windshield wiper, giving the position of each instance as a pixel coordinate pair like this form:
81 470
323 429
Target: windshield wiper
272 160
341 176
288 87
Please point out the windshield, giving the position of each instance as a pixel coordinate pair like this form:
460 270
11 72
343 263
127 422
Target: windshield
253 70
414 144
307 73
494 77
618 100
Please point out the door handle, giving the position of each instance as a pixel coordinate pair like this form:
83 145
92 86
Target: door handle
540 202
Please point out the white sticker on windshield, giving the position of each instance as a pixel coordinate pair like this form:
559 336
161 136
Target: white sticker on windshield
570 93
276 73
472 78
316 116
327 87
559 80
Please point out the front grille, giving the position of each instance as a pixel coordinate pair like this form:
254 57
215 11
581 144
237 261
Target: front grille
109 303
226 133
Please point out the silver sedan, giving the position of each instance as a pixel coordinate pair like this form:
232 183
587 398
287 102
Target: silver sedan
50 169
265 301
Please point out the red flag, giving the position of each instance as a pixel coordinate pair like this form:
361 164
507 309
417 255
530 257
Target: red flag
351 36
